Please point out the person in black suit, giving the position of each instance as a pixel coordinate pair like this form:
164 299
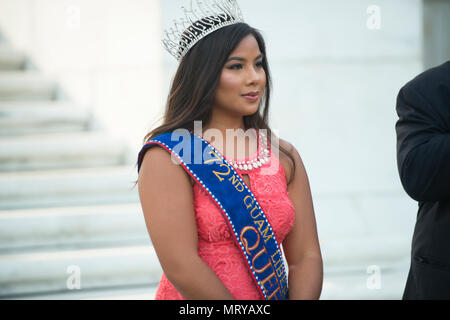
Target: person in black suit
423 158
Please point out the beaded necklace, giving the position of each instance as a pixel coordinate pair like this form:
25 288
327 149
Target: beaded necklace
261 159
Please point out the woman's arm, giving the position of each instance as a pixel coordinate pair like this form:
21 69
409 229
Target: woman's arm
301 246
166 197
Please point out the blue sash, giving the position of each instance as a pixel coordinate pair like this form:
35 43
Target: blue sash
245 218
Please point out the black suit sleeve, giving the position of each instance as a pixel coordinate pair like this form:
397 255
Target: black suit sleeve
423 137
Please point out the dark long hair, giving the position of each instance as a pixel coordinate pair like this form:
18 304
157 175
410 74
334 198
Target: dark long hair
194 85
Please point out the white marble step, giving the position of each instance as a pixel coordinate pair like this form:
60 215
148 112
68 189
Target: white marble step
68 150
104 224
122 293
46 275
63 271
36 273
24 118
68 187
73 227
11 59
356 286
26 86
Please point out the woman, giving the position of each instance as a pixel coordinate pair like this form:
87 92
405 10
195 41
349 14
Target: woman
223 80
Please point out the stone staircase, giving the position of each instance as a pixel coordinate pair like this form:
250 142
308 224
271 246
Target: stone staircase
68 209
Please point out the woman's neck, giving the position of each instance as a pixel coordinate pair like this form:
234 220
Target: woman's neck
223 127
231 140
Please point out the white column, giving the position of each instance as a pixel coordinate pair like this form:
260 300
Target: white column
436 39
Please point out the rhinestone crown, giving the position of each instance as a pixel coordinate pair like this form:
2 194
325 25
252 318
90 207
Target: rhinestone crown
203 18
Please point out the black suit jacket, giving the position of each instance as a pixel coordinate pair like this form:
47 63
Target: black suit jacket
423 158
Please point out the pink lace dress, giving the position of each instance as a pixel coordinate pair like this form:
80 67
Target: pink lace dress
215 243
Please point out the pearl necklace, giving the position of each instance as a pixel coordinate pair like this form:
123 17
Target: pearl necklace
262 158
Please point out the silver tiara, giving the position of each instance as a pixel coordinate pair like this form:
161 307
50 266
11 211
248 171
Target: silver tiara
202 19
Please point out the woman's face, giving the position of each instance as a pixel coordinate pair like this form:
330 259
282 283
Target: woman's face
243 74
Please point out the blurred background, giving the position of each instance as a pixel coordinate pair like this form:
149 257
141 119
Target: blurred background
82 82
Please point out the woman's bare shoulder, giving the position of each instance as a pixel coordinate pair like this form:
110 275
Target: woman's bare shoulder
159 166
286 145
